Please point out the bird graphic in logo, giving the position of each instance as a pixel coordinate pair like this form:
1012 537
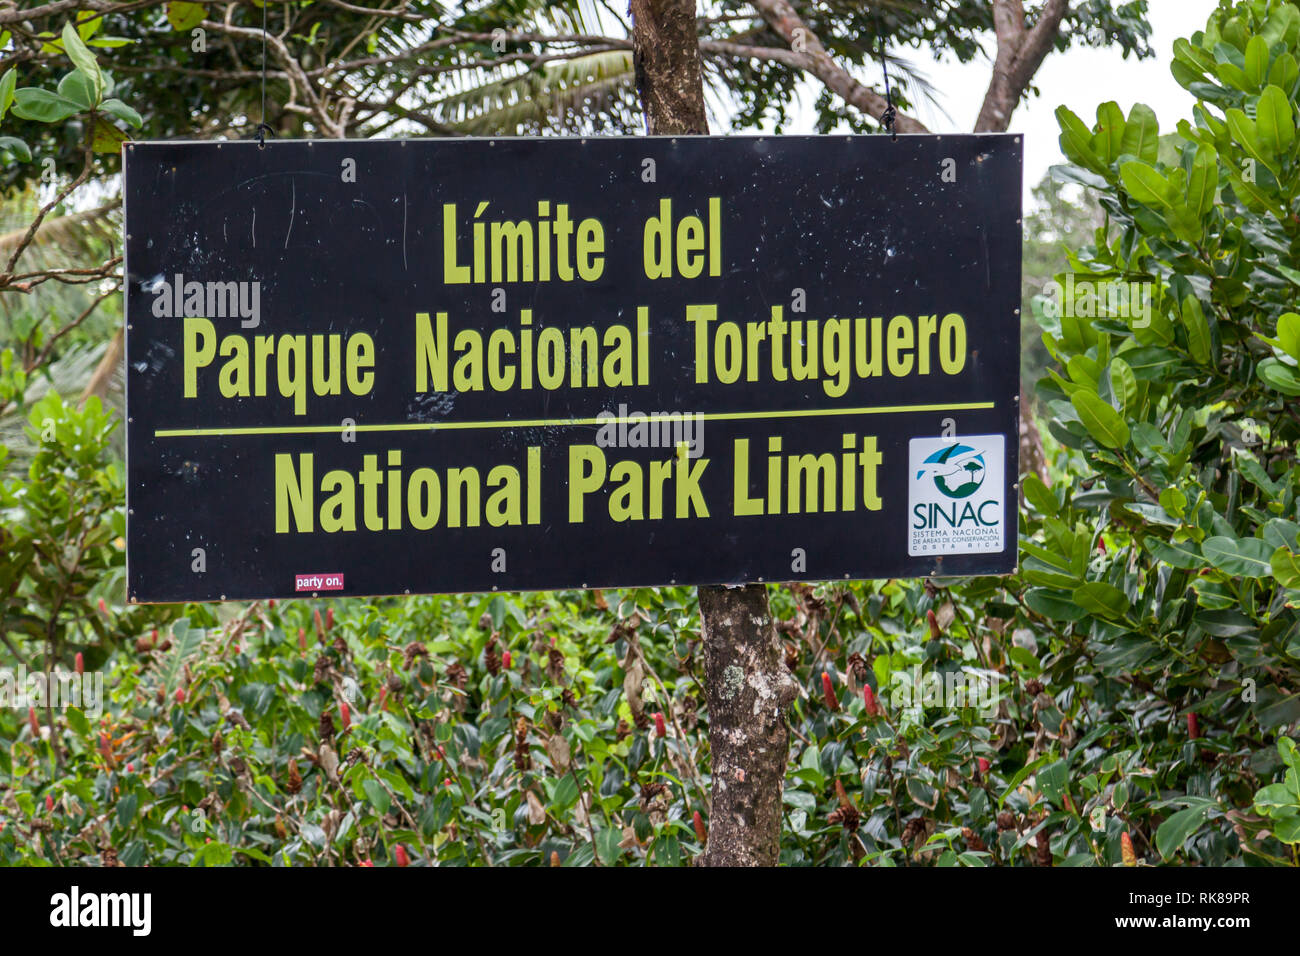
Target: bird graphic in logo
958 470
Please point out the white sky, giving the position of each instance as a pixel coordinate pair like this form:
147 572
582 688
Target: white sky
1081 78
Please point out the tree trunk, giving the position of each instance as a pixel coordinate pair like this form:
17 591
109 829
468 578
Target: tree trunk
747 684
749 692
666 58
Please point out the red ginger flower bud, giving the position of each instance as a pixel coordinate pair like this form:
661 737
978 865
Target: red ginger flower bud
828 692
701 831
869 700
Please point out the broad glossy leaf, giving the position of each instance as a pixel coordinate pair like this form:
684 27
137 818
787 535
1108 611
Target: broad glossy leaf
79 88
185 16
1102 599
1076 140
1256 61
1142 134
1176 830
84 60
1197 329
1275 121
1179 554
107 138
1054 605
8 83
1102 421
1288 334
1108 139
43 106
1040 496
116 107
1286 568
1281 378
1243 557
1124 385
1203 184
16 147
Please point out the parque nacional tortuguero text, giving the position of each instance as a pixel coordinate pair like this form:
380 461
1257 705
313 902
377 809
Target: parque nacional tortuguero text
386 367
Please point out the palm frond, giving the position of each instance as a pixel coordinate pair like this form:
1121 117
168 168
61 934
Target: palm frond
561 96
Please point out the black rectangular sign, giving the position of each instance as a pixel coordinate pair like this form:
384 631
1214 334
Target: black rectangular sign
387 367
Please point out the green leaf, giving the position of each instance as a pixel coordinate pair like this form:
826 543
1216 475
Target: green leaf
1105 600
1285 564
1173 501
1051 780
1244 557
1175 831
116 107
566 793
1142 134
1224 623
1102 421
16 147
1288 334
1256 62
79 88
80 55
1054 605
1203 184
1287 829
126 809
1040 496
1230 74
32 103
78 722
607 842
1178 554
1252 196
920 791
1076 141
378 796
1245 132
1275 122
1124 385
1279 377
1145 184
107 138
185 16
1284 72
1109 137
1197 329
1290 755
8 83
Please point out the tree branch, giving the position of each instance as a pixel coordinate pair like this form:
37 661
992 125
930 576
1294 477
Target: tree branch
1021 52
782 18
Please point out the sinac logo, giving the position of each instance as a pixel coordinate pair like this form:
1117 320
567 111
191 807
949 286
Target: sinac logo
958 470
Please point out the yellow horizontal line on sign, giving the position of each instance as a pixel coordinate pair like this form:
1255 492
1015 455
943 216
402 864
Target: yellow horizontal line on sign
563 422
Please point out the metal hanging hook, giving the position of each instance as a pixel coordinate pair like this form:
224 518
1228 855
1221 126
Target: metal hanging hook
887 118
